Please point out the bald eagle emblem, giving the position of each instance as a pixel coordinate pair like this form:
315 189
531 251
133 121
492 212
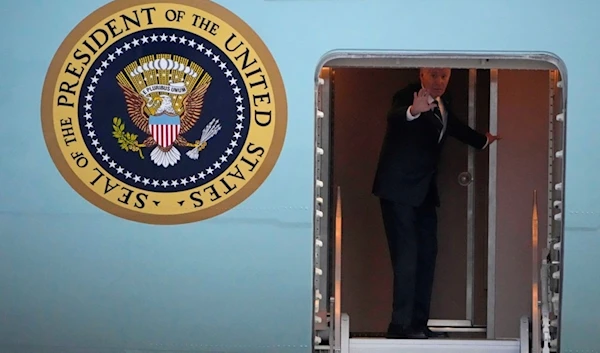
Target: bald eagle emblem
164 99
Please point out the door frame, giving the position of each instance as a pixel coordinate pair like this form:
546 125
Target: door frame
412 59
470 286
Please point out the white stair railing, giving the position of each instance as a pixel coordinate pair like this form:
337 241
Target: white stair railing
546 338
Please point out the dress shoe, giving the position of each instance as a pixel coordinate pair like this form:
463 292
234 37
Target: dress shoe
431 334
400 332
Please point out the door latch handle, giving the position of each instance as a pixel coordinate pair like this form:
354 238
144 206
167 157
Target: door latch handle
465 178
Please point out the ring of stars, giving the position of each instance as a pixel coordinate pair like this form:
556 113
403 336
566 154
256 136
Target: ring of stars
156 183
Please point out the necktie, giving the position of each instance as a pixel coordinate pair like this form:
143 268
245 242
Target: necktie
438 114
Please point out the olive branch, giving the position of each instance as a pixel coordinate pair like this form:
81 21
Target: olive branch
126 140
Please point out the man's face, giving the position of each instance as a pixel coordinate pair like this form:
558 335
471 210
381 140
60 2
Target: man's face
435 80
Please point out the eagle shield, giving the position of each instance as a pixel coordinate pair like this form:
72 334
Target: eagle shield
165 95
164 129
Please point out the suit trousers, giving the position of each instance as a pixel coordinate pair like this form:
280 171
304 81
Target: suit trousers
412 240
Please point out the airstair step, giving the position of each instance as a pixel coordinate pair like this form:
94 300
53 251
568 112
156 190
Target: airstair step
378 345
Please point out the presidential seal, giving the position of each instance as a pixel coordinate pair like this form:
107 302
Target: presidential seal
164 112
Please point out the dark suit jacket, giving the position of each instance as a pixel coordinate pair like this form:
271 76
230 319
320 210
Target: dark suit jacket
410 153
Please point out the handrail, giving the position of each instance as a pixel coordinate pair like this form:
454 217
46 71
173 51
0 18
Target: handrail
545 307
336 316
524 334
535 312
540 296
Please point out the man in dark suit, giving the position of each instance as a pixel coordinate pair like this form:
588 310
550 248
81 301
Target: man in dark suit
418 123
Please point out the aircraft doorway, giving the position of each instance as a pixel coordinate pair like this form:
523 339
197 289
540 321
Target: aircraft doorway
483 279
361 100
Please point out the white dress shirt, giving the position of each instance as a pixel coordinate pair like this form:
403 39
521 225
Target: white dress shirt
430 100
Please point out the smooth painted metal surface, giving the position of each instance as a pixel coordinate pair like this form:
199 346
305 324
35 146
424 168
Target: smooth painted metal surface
493 155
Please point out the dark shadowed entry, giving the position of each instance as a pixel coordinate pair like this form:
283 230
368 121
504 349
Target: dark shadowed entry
361 98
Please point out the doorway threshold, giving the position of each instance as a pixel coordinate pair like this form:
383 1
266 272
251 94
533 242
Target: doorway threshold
375 345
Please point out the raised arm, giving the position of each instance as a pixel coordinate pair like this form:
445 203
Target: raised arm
407 105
